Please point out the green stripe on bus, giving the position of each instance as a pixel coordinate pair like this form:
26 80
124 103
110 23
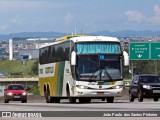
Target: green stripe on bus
106 83
60 79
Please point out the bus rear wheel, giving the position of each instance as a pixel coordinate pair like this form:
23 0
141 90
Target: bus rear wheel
48 98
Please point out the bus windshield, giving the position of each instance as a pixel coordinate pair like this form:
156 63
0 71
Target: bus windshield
98 48
99 67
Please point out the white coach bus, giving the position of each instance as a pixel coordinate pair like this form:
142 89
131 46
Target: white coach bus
82 68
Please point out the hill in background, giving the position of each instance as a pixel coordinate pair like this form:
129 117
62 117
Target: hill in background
125 33
32 35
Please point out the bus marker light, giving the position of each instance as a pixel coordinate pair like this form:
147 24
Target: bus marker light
100 93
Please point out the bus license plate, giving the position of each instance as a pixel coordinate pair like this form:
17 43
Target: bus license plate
100 93
156 91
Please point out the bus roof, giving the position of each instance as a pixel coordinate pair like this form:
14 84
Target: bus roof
83 38
69 36
94 38
62 39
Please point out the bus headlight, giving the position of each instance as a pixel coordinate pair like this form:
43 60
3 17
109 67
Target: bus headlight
9 94
82 87
147 87
117 87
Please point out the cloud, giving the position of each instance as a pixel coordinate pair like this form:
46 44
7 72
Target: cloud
15 20
11 22
156 18
69 18
135 16
139 17
91 25
157 10
4 27
30 5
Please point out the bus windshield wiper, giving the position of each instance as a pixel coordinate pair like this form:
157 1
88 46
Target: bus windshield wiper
92 76
107 73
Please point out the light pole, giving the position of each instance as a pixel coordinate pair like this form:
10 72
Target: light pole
155 61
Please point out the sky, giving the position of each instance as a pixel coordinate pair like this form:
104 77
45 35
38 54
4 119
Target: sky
80 16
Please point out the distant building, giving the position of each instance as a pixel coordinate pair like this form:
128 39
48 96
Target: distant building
31 53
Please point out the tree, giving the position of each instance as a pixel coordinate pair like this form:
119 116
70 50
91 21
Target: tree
35 68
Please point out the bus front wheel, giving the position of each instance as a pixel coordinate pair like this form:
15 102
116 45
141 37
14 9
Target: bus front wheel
71 99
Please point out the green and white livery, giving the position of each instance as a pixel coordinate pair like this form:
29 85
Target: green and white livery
82 68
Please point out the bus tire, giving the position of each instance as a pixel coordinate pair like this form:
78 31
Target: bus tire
110 99
71 99
49 99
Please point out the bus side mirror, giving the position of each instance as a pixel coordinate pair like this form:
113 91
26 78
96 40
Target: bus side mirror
73 58
126 58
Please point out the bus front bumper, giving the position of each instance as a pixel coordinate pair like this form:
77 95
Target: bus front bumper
98 93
